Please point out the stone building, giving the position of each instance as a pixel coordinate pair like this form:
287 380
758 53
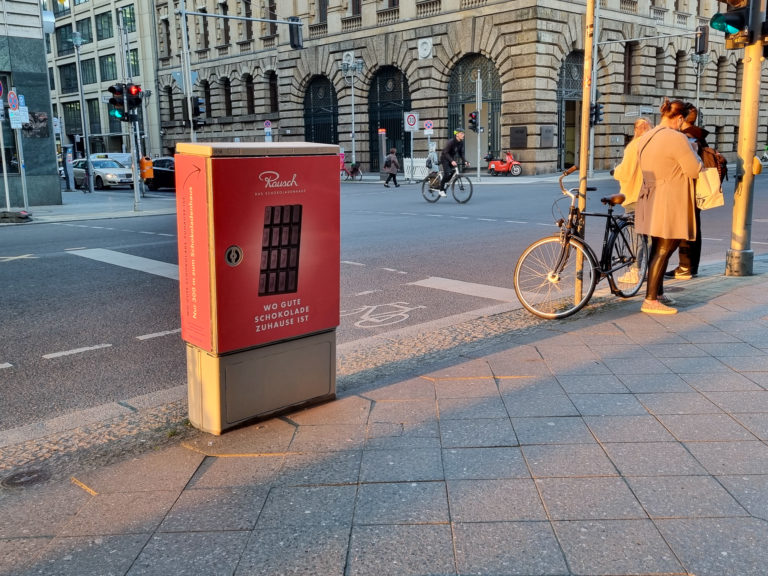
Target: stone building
426 57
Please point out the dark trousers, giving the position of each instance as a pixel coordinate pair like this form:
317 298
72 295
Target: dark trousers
661 250
690 250
392 177
447 173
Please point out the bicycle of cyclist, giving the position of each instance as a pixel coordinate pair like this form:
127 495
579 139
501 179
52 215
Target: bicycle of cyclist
354 172
556 276
460 185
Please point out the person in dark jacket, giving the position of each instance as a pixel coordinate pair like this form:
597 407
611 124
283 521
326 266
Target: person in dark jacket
450 156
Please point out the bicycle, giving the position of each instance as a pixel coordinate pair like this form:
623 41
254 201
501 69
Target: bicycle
548 273
461 187
354 172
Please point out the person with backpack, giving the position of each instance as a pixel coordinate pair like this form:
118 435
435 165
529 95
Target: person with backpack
689 252
391 167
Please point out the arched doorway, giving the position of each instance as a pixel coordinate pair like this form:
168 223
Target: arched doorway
388 99
569 93
321 112
462 99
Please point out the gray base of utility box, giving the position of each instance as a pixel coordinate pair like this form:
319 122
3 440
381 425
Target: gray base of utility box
228 390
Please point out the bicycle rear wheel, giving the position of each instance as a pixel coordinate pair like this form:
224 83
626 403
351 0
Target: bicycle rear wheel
461 189
358 175
546 277
343 175
629 260
429 193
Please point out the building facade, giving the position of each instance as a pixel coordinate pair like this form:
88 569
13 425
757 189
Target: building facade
116 45
22 67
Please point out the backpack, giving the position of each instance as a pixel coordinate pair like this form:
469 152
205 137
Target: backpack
388 162
711 158
429 162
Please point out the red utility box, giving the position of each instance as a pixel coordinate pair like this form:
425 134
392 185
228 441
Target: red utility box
258 228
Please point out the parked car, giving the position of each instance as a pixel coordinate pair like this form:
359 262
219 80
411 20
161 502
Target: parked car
106 173
163 173
123 157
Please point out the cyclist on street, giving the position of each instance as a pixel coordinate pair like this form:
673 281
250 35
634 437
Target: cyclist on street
449 157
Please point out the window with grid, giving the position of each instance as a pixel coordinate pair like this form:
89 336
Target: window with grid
250 101
133 62
94 116
51 77
203 39
104 27
274 102
322 11
47 43
226 91
224 23
248 13
128 18
64 40
108 67
630 49
170 103
86 32
79 2
166 40
72 120
207 99
356 8
68 78
88 71
272 15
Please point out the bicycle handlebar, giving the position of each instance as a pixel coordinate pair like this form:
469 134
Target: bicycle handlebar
573 192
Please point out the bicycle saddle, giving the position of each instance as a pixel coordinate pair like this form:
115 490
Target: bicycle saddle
614 200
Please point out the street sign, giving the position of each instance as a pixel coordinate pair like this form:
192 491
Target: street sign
23 114
428 131
411 121
1 89
13 101
267 124
22 103
15 118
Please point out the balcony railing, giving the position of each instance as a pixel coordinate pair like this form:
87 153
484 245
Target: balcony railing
427 8
658 14
388 16
351 23
472 3
628 6
681 19
319 29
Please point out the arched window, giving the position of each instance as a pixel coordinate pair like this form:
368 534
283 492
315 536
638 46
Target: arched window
250 105
169 102
274 93
321 112
388 99
226 92
207 98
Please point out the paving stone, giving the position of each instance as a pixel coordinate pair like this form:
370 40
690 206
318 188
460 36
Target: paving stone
476 433
466 387
393 435
472 369
484 463
641 365
700 365
607 404
508 548
38 511
684 496
741 400
215 509
649 383
121 513
419 410
641 428
653 459
410 389
191 554
677 403
103 555
402 503
401 465
705 427
676 350
731 457
503 500
237 471
610 547
536 397
724 349
588 499
757 424
561 430
328 438
568 460
401 550
19 554
320 468
720 381
299 551
592 384
518 361
750 490
308 505
273 435
346 410
472 408
718 546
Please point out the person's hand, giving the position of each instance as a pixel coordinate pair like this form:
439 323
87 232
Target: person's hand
453 162
466 163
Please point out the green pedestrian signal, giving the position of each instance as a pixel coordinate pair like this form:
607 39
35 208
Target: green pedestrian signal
735 23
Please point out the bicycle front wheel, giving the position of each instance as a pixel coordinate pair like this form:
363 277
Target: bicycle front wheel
629 260
461 189
547 275
357 175
429 193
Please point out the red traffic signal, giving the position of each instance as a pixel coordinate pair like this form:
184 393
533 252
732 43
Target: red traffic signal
118 93
473 121
133 96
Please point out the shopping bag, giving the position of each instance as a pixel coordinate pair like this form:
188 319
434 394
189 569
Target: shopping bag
709 190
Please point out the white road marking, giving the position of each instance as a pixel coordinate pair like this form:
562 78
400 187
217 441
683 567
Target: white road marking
6 365
756 242
22 257
713 239
516 221
366 292
468 288
487 220
133 262
75 351
158 334
352 263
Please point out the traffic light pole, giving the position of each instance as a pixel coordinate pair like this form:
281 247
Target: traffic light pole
739 259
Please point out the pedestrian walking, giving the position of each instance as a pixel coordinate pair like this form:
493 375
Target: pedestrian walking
391 167
665 207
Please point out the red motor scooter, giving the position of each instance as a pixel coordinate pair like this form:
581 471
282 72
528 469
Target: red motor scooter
507 166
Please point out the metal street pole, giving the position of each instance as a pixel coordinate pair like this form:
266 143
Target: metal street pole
77 40
350 70
739 259
593 83
185 64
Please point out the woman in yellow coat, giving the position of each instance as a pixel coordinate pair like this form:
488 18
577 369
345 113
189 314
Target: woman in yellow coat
628 172
665 208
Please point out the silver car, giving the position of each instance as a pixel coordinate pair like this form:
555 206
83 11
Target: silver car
106 173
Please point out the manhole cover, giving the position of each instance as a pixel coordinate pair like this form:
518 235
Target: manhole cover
25 478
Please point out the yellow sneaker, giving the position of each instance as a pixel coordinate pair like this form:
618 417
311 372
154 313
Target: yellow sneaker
656 307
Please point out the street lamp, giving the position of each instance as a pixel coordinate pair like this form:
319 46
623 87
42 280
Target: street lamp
77 40
350 68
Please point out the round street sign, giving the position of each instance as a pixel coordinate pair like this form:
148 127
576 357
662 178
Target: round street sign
13 101
411 121
428 125
1 89
267 124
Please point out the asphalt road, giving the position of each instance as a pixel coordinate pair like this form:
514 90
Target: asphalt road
78 332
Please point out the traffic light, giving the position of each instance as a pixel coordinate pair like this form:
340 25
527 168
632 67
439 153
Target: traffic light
735 22
118 94
702 40
595 114
473 121
196 109
133 96
295 35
